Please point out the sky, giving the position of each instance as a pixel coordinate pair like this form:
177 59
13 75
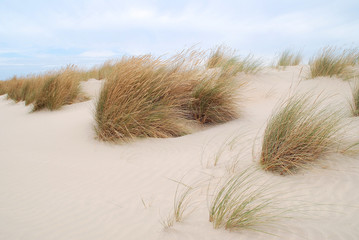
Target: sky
41 35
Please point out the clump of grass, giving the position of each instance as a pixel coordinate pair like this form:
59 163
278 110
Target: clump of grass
355 102
215 98
297 134
220 56
100 72
148 97
224 58
287 58
3 88
242 203
13 89
50 90
142 97
58 89
330 61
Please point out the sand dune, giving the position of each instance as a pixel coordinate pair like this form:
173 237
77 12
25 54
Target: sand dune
58 182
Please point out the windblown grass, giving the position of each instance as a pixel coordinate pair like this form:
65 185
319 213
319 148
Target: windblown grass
100 72
151 97
223 57
49 90
215 98
297 134
142 97
287 58
13 89
355 101
242 203
58 89
330 61
182 205
3 89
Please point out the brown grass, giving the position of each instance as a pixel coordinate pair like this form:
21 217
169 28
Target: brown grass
49 90
223 57
331 61
150 97
215 98
142 97
288 58
3 88
58 89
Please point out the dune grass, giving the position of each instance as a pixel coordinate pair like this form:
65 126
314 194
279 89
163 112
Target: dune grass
49 90
355 99
58 89
223 57
215 98
182 205
142 97
298 133
100 72
288 58
13 89
151 97
215 94
242 203
331 61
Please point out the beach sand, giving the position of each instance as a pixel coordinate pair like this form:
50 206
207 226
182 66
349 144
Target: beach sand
58 182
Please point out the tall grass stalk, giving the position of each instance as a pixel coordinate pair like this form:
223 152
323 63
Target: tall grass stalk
288 58
243 203
299 132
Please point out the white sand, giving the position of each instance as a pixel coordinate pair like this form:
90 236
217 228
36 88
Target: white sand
58 182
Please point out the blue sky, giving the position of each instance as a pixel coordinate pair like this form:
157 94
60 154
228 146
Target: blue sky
39 35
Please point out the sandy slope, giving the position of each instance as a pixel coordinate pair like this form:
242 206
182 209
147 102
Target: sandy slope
58 182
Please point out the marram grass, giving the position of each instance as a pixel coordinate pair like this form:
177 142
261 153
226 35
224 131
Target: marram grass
58 90
243 203
223 57
150 97
331 61
355 99
141 98
298 133
215 98
288 58
182 205
49 90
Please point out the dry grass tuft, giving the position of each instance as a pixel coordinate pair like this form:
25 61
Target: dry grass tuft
58 89
151 97
215 98
287 58
49 90
355 102
142 97
3 87
100 72
243 203
297 134
330 61
223 57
